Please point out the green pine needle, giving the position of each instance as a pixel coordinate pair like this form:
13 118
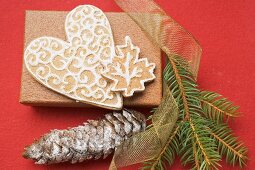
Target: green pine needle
228 145
199 148
216 107
167 153
200 137
183 87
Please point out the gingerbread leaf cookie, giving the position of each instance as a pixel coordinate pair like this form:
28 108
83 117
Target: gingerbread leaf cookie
127 71
72 67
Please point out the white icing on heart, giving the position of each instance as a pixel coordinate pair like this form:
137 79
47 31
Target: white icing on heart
73 67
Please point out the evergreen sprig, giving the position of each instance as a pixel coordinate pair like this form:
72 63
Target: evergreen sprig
201 136
228 145
216 107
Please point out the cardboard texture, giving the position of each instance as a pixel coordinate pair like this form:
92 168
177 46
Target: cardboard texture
51 23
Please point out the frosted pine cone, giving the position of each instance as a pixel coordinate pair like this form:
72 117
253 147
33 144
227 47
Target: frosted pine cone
94 139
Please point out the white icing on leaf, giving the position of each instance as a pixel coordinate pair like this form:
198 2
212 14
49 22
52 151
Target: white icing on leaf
127 71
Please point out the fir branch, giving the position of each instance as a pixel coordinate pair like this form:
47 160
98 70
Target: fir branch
167 153
199 142
173 149
228 145
170 149
210 157
196 165
181 82
216 107
183 87
199 148
198 113
179 85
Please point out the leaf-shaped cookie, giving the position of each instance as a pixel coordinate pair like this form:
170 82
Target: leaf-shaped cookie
73 67
127 71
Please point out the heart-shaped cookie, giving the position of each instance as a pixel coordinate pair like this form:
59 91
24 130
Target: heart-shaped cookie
73 67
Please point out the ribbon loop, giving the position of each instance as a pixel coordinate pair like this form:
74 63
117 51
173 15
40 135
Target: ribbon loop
173 39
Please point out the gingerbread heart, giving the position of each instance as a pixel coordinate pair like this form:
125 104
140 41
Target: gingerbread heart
73 67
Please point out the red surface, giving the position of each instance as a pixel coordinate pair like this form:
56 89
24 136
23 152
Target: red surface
225 30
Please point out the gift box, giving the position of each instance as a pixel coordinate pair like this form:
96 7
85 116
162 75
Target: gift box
51 23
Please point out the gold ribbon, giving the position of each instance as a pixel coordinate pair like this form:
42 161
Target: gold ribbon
173 40
147 145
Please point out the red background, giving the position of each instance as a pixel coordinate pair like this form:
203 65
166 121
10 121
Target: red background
225 29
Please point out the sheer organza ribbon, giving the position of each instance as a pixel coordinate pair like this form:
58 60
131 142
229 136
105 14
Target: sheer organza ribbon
173 39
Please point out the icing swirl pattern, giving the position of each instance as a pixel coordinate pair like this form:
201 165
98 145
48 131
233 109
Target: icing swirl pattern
73 67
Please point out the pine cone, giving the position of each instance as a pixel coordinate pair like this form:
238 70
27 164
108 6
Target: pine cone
92 140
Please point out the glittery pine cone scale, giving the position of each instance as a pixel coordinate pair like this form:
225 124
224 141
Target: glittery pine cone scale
92 140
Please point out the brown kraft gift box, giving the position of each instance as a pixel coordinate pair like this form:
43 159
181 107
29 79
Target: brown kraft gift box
51 23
